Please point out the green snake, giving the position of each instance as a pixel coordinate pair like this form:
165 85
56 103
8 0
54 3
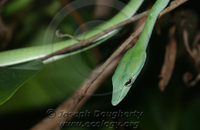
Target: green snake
133 60
21 55
129 66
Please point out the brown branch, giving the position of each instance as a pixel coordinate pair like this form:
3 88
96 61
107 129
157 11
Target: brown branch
173 5
88 41
81 93
110 67
48 123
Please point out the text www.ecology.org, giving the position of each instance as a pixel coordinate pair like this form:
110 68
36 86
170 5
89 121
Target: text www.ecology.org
99 124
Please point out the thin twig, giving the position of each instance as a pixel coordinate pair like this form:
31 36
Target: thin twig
173 5
60 35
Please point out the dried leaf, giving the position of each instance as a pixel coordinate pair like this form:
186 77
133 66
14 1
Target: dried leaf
195 54
187 77
170 57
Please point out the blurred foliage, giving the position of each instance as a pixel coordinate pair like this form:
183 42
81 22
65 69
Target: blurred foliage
177 108
13 77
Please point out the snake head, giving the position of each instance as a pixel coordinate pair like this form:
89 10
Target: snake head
126 73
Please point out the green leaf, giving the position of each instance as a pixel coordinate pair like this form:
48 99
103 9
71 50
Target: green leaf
11 78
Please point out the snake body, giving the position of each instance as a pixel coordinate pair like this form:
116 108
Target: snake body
133 60
129 66
21 55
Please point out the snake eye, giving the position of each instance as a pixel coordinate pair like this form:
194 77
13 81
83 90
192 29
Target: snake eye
129 82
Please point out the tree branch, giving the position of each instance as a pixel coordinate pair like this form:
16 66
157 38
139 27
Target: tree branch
88 41
72 104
